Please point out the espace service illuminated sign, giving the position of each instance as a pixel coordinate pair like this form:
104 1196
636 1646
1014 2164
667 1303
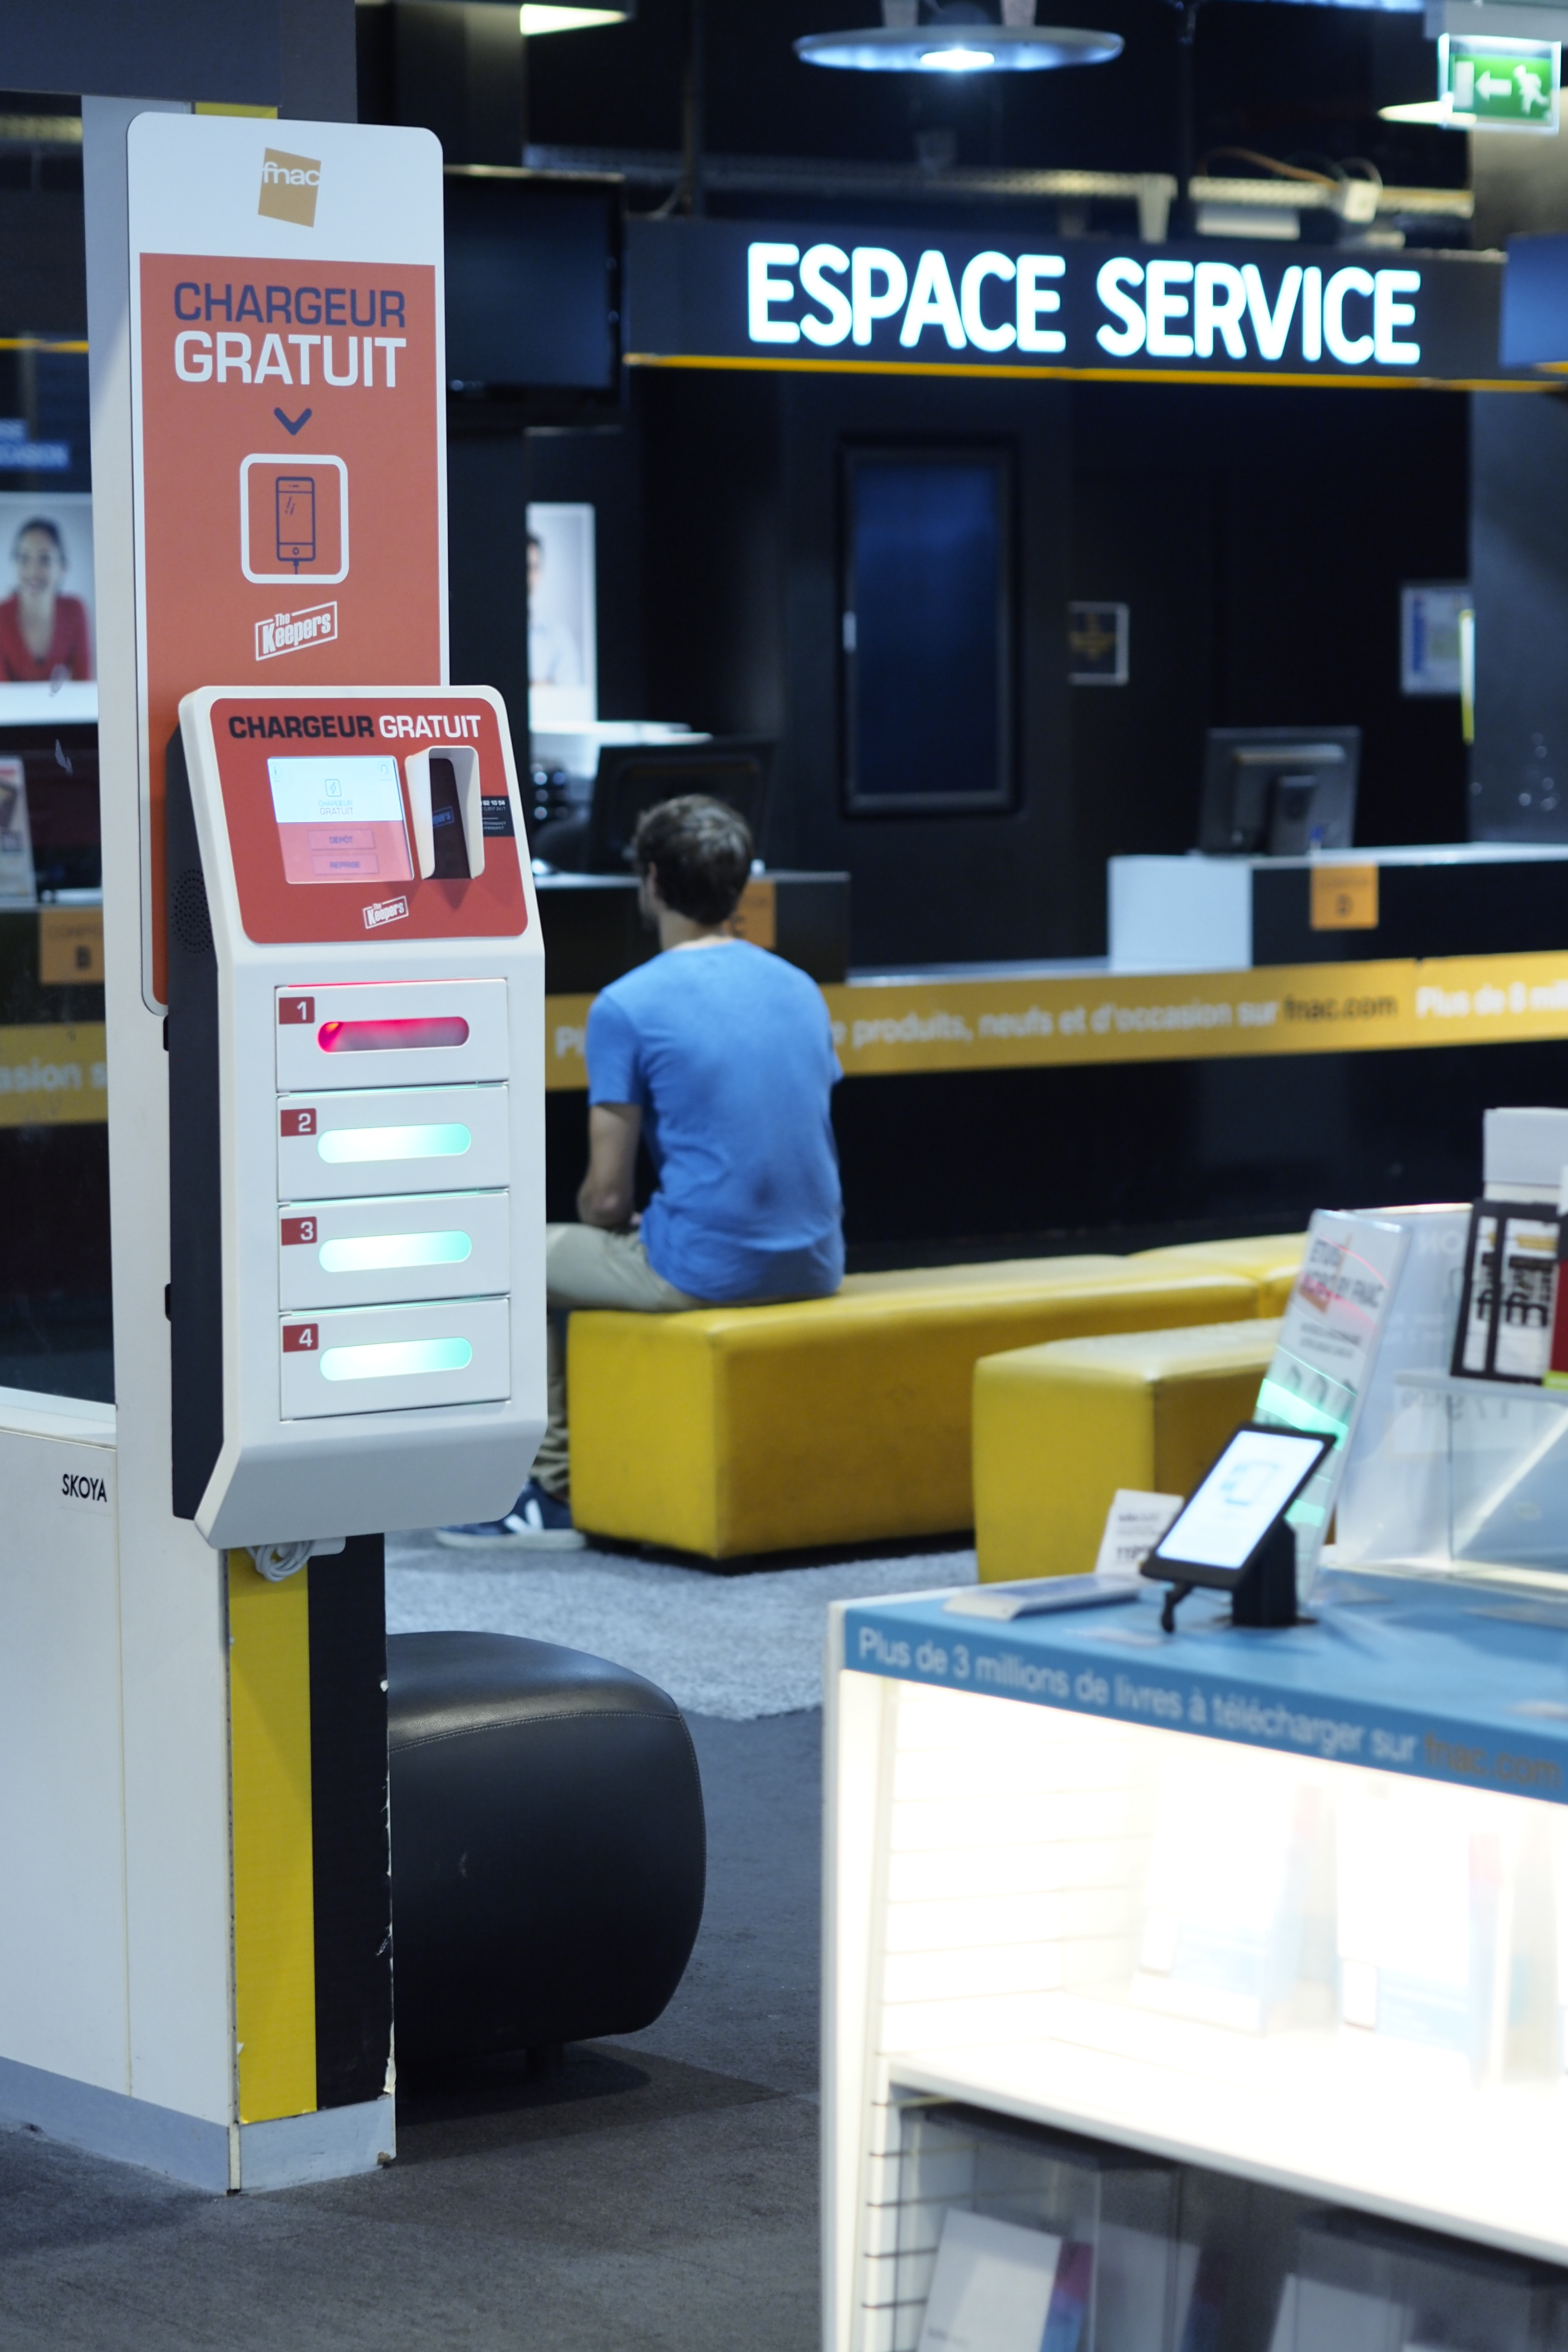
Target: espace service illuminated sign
723 290
1171 309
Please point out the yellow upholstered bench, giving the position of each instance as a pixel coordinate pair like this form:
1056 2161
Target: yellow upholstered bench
1272 1260
1058 1428
744 1429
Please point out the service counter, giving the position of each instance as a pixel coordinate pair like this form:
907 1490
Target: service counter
594 930
1335 1036
1208 914
1289 1907
1018 1106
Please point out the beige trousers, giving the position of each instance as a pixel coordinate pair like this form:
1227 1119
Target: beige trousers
585 1266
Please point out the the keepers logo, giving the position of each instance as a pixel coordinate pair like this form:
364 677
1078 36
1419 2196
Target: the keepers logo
385 910
288 633
289 185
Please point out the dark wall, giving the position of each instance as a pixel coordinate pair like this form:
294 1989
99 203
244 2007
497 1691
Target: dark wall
1519 788
742 556
1261 538
486 499
713 553
296 54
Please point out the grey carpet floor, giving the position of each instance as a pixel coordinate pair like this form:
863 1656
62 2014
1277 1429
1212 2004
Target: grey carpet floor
736 1646
659 2195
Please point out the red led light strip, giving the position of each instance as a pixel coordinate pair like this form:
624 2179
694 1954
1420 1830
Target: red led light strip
389 1036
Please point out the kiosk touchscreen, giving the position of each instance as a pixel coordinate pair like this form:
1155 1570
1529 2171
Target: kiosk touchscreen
1232 1532
356 1150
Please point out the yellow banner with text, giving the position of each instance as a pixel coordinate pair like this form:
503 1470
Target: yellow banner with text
885 1028
53 1074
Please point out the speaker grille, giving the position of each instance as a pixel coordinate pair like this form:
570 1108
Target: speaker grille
188 910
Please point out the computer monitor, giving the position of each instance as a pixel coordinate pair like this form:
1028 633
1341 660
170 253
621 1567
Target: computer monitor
532 287
633 777
1278 791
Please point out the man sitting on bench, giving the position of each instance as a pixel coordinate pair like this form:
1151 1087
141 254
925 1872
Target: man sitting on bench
720 1057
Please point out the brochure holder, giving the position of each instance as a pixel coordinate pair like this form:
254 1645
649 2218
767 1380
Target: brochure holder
1476 1472
1360 2282
1101 2221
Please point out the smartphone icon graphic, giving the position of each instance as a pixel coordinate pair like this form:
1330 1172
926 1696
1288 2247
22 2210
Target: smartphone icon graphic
296 508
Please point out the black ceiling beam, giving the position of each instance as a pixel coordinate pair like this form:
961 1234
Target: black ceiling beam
295 55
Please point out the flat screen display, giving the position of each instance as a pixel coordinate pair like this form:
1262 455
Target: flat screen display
1228 1517
531 284
340 819
927 629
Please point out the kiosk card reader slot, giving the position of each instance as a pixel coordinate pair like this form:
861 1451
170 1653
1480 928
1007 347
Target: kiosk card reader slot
444 796
355 1038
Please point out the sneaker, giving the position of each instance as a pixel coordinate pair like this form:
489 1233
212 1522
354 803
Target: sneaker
536 1521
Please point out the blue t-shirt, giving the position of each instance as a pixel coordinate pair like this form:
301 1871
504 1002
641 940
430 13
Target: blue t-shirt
728 1052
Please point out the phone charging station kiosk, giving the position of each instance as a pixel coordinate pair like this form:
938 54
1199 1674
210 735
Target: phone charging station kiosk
356 1039
324 1006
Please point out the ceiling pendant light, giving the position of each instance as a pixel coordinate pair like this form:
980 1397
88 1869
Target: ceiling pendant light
547 16
958 37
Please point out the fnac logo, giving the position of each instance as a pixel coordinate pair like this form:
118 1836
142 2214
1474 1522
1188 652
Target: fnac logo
289 187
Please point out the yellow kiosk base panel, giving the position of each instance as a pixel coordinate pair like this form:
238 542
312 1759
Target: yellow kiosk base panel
312 1888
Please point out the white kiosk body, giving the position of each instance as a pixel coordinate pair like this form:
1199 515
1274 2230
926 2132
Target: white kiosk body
356 1083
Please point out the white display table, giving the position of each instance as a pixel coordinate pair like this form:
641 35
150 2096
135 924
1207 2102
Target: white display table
1291 1906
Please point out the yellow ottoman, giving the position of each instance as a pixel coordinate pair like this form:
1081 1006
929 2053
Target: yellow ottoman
1273 1261
1058 1428
846 1420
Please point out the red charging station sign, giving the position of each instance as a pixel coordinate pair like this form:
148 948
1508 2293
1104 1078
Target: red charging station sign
292 511
299 776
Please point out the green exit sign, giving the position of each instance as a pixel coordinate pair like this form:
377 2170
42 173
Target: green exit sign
1500 85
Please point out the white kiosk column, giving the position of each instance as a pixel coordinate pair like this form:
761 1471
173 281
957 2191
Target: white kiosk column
264 322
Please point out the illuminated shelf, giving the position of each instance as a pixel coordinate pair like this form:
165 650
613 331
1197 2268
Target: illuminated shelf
1214 1951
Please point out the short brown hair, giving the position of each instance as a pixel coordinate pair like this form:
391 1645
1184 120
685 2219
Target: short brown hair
702 850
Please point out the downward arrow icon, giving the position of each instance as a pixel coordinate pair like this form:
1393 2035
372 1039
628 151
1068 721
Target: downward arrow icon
293 424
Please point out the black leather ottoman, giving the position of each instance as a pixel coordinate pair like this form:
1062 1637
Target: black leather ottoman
548 1845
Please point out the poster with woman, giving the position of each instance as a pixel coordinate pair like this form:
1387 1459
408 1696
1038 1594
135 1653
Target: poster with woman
46 633
563 630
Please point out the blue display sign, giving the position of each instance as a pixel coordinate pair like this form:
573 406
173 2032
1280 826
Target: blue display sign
1535 303
1434 1681
717 292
